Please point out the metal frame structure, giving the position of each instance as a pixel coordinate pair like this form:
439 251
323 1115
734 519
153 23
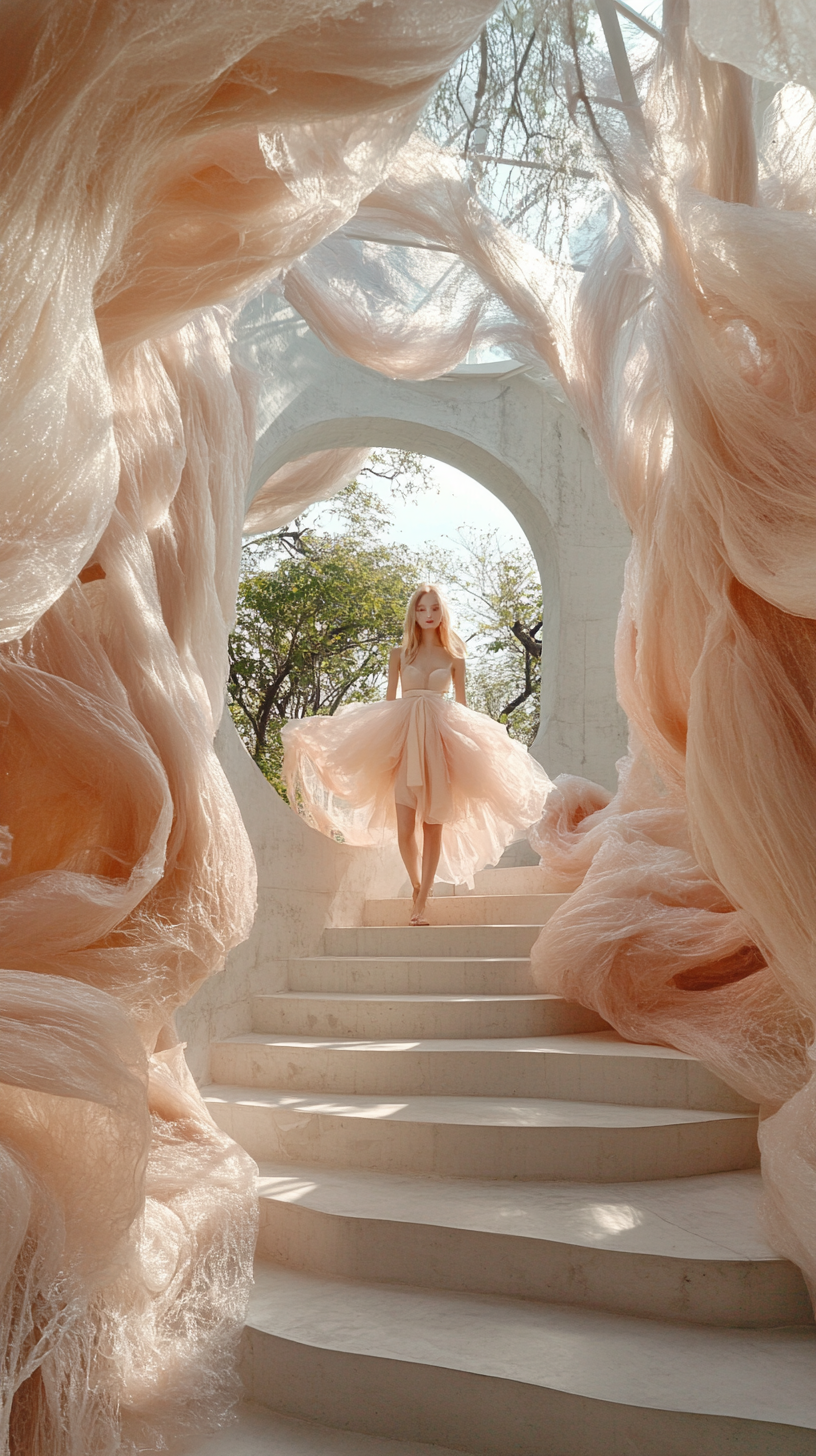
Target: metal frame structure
639 20
608 13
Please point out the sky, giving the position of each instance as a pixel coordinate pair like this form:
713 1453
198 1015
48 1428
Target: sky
436 516
460 501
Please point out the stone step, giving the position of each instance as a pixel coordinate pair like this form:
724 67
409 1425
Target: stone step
412 975
524 880
519 852
259 1431
468 910
483 1137
684 1249
507 1377
339 1014
518 880
470 941
588 1067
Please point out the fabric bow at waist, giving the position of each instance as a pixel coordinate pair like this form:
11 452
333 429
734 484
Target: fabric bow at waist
415 741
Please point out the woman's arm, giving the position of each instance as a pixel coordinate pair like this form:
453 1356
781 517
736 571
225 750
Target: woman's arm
393 674
458 671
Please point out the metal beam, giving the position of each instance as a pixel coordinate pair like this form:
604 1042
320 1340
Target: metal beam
356 233
607 10
639 20
360 234
531 166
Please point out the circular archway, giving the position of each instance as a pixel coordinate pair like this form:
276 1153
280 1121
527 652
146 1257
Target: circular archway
487 469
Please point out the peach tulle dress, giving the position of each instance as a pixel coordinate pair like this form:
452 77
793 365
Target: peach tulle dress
456 767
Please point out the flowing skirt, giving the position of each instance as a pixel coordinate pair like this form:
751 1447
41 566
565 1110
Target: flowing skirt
457 768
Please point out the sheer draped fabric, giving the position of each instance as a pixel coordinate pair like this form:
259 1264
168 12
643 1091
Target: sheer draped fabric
455 767
298 484
158 162
688 350
695 357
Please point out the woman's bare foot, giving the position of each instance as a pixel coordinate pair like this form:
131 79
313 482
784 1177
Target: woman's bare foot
418 917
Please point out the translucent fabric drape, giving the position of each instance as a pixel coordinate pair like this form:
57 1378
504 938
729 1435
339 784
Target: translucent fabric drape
299 483
689 354
157 162
694 917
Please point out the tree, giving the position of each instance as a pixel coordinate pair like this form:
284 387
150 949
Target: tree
319 609
359 508
312 632
321 603
501 592
513 106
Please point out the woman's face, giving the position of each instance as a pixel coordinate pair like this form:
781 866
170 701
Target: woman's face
429 611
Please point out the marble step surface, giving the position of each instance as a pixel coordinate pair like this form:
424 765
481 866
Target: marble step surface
483 1137
259 1431
518 880
344 1014
519 853
413 975
503 1377
523 880
686 1249
507 909
475 941
586 1067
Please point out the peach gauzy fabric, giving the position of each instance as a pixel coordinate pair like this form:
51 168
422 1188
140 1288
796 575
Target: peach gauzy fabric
689 354
300 483
157 160
455 767
694 367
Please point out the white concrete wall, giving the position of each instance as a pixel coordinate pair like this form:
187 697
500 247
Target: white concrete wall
305 882
515 435
511 432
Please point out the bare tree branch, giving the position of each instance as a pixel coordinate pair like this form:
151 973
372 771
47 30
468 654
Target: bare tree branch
480 87
527 639
529 689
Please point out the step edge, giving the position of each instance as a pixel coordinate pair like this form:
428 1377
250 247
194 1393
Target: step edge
718 1255
438 1045
261 1097
429 997
653 1329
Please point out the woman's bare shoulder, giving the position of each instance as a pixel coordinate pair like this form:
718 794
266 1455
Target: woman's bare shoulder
395 655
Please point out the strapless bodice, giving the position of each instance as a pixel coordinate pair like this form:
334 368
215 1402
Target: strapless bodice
438 681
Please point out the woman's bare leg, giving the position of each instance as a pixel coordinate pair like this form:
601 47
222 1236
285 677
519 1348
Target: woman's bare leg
407 840
431 849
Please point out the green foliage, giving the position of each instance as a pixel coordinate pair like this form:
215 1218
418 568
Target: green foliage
501 593
321 603
313 630
493 682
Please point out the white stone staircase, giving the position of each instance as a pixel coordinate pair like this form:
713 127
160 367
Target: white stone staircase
490 1225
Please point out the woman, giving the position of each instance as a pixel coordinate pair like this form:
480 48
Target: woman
418 759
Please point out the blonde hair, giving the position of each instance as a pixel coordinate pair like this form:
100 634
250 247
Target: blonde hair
449 638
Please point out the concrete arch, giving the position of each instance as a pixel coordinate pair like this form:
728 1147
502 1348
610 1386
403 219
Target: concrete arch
474 460
513 433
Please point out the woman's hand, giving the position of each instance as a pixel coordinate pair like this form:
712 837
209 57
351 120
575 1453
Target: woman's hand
458 674
393 674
